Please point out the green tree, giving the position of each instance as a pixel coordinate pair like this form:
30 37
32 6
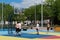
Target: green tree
55 7
19 17
7 10
0 10
30 12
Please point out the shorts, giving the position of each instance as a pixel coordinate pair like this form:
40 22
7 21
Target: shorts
18 30
48 28
37 29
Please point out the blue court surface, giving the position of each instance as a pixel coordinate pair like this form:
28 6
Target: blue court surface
26 34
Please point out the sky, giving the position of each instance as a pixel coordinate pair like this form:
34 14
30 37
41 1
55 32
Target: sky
22 3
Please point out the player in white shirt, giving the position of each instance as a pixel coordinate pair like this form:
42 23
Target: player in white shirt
37 28
18 28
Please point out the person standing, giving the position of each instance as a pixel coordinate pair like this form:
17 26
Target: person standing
37 28
48 25
18 28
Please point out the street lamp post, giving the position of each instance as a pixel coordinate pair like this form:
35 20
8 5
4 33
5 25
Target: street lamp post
2 14
35 13
42 13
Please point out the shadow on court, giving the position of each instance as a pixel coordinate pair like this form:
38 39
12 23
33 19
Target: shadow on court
26 35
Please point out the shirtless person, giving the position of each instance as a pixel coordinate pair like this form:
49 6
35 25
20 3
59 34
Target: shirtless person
48 25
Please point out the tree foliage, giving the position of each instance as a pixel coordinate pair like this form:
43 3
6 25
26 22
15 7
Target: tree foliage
7 10
8 14
51 10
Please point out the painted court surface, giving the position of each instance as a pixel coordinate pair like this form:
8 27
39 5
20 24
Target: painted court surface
30 34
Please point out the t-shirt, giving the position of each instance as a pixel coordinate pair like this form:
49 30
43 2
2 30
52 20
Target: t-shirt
37 26
18 25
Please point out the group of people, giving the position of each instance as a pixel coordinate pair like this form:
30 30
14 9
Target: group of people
18 28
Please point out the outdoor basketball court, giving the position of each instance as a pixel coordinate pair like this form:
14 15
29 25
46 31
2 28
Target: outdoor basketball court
30 34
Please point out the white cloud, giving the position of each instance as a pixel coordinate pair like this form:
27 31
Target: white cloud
26 3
